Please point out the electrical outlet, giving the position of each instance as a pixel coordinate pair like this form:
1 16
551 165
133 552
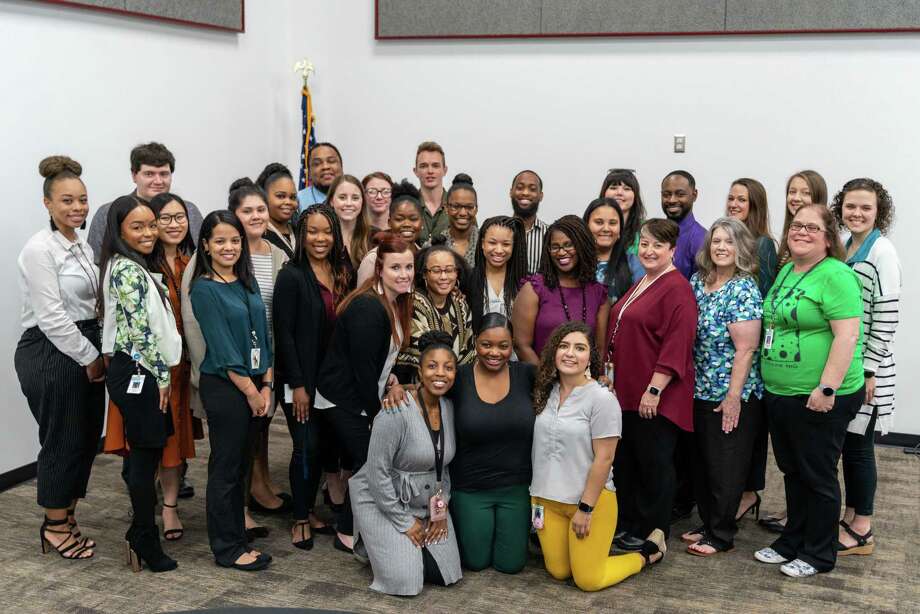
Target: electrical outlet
680 143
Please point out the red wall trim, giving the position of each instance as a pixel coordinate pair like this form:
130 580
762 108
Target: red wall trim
196 24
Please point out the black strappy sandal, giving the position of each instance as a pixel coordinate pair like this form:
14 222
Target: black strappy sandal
863 545
700 530
172 535
86 541
71 548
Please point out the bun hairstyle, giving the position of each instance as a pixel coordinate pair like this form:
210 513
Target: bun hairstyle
404 191
54 168
435 340
271 173
240 190
462 181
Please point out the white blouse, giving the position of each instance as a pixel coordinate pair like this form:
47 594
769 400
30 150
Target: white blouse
59 284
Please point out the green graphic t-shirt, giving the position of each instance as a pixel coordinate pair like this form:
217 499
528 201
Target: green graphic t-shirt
799 308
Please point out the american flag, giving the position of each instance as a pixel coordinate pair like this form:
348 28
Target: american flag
309 134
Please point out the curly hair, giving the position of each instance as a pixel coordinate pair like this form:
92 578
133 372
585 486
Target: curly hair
575 229
548 375
884 205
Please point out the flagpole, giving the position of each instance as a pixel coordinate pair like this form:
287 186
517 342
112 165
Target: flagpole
305 68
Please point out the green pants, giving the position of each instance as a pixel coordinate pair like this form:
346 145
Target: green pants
492 527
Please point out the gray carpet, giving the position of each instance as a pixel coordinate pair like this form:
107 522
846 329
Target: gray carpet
887 581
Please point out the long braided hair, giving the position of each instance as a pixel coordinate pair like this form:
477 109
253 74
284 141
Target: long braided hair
585 269
515 268
342 272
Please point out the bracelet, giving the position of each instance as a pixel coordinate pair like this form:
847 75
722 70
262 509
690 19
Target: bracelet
584 507
868 374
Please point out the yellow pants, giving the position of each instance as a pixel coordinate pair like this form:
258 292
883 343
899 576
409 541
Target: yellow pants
587 560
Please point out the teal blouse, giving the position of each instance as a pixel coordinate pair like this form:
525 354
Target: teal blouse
227 313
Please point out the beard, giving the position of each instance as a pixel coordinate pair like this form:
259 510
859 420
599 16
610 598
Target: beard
524 212
678 217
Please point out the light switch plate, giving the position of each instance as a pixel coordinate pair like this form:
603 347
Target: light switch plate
680 143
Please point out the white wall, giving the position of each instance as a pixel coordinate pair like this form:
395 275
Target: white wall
759 106
92 86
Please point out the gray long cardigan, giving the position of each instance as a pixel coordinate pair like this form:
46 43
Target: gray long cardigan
392 489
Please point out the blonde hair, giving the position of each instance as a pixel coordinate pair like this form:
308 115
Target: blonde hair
745 250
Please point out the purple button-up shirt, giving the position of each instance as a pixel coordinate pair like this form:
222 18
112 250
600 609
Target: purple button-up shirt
691 238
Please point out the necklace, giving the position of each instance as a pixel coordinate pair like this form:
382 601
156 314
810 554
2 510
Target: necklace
640 288
565 307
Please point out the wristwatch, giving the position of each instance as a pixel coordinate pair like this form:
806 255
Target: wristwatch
654 391
271 385
584 507
827 391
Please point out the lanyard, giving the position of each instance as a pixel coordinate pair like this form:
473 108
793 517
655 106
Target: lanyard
632 298
253 337
437 441
779 285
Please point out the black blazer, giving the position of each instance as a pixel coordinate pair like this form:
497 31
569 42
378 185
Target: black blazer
301 330
356 356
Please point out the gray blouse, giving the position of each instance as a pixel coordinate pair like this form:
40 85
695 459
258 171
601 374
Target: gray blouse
562 440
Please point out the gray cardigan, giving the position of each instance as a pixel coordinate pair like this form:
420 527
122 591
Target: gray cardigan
393 488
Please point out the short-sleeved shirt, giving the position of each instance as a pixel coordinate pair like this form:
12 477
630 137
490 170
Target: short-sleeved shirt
562 440
799 308
551 312
713 353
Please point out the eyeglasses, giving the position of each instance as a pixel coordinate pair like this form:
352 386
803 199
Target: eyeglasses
438 271
561 249
166 219
457 208
375 192
811 229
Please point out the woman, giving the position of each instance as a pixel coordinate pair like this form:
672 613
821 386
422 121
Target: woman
491 473
563 291
438 304
405 223
346 196
140 336
169 258
501 262
401 495
372 325
803 188
811 364
461 205
574 500
248 203
307 292
650 349
864 207
236 379
727 408
277 183
747 202
616 267
621 185
378 194
57 360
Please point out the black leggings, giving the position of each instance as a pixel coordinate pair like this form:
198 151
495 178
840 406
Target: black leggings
430 570
141 476
354 433
859 473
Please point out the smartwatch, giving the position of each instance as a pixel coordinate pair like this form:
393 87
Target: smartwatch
828 391
654 391
584 507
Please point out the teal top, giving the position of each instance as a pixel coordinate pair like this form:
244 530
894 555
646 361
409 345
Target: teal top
228 315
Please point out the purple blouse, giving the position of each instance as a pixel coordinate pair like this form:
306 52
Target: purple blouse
551 312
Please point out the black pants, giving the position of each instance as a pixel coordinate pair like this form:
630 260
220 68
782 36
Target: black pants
69 411
644 473
230 432
305 469
258 426
684 490
807 446
354 434
141 481
757 472
859 472
721 466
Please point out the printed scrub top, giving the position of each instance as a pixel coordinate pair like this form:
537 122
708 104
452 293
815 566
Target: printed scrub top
800 307
713 353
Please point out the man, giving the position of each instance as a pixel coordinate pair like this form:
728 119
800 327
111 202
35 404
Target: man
678 193
152 168
526 196
430 168
324 165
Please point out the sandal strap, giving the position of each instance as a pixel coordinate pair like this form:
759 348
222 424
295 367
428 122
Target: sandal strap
54 523
861 540
170 506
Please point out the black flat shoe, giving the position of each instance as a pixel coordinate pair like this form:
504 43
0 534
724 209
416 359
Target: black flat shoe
285 507
257 565
773 525
304 543
256 532
186 490
629 543
338 544
326 529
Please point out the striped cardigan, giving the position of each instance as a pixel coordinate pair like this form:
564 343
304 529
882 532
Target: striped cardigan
877 266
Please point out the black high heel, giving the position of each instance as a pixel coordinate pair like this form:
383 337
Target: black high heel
89 543
71 548
143 546
754 508
172 535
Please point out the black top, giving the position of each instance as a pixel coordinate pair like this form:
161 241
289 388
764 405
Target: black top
493 440
356 356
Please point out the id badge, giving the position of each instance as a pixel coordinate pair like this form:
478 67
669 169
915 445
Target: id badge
768 339
536 516
136 384
288 394
255 357
437 508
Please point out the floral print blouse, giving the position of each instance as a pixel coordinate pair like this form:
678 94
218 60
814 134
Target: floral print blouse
738 300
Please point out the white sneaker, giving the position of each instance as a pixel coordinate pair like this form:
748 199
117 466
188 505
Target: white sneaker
770 556
798 569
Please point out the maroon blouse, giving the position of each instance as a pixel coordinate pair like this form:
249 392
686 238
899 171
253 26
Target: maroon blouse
656 333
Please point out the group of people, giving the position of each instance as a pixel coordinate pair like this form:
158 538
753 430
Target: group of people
453 386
